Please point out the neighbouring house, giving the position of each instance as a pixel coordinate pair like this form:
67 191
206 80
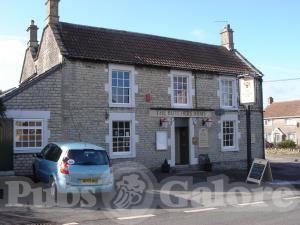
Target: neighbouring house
281 121
144 98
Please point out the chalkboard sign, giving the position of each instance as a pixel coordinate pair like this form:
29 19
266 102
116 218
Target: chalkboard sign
260 170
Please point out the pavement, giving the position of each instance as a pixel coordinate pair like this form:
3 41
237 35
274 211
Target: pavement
198 198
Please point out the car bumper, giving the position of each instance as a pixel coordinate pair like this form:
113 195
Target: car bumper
85 189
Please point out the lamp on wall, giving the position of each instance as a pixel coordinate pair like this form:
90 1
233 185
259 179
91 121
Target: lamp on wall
206 122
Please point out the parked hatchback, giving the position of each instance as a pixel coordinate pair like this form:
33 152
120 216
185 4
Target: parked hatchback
73 167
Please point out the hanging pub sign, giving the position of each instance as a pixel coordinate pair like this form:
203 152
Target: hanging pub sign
247 90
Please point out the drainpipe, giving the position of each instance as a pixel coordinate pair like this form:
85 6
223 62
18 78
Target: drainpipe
196 99
262 114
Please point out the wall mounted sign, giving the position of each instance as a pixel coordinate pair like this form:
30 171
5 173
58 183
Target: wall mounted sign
247 90
161 140
260 170
203 138
179 113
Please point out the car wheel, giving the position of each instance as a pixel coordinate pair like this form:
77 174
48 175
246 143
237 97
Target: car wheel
53 189
34 176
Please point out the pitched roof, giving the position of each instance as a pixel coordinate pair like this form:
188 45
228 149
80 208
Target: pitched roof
283 109
91 43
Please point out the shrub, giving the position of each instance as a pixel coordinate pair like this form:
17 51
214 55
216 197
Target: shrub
286 144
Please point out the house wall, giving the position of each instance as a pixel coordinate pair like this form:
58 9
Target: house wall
77 98
48 56
280 123
44 95
28 66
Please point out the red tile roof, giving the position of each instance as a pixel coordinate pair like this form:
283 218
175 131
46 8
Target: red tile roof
91 43
283 109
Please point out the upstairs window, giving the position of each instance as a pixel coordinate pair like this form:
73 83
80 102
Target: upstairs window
268 122
121 82
228 93
290 122
120 87
181 89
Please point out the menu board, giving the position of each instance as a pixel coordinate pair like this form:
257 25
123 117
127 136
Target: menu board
260 170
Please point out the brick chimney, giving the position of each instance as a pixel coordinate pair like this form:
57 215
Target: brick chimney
227 37
270 100
52 16
32 33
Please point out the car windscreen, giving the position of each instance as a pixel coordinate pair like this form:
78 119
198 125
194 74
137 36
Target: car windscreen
88 157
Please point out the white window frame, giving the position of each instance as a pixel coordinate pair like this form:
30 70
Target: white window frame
295 136
268 122
28 127
290 122
237 135
234 93
133 87
190 90
133 137
19 115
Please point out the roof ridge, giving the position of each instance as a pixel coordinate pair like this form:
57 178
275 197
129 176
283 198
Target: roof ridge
141 34
294 100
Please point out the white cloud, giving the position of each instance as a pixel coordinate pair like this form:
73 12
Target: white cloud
198 33
12 50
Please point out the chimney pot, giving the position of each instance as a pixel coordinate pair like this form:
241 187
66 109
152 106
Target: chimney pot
227 37
52 15
270 100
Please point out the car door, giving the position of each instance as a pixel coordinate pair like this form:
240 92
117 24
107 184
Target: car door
39 163
51 159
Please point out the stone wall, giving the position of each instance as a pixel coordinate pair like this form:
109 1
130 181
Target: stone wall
78 102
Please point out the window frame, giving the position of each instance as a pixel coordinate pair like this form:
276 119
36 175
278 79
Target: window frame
132 88
30 149
124 136
292 122
268 122
235 120
126 117
190 92
234 93
295 136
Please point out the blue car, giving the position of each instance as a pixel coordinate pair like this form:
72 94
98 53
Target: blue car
73 167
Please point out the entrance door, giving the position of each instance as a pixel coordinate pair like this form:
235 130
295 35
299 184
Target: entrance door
181 141
6 144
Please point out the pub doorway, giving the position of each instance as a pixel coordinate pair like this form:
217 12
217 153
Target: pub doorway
182 141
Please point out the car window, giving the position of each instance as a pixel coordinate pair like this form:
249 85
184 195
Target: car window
45 150
88 157
53 154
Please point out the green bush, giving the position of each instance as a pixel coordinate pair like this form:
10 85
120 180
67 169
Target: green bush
286 144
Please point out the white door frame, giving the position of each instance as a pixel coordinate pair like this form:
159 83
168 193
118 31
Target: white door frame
192 159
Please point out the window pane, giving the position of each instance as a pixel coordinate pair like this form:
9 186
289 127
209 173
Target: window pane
121 136
180 89
26 138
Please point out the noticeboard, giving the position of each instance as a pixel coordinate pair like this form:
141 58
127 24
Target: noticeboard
260 170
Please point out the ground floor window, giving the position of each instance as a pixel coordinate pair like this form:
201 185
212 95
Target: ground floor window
292 137
229 133
28 133
122 136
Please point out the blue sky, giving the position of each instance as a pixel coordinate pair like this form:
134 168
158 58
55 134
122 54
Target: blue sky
266 32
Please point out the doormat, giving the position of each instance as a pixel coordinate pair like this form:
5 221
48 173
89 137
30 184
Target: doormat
1 193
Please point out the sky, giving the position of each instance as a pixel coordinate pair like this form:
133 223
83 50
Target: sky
265 32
